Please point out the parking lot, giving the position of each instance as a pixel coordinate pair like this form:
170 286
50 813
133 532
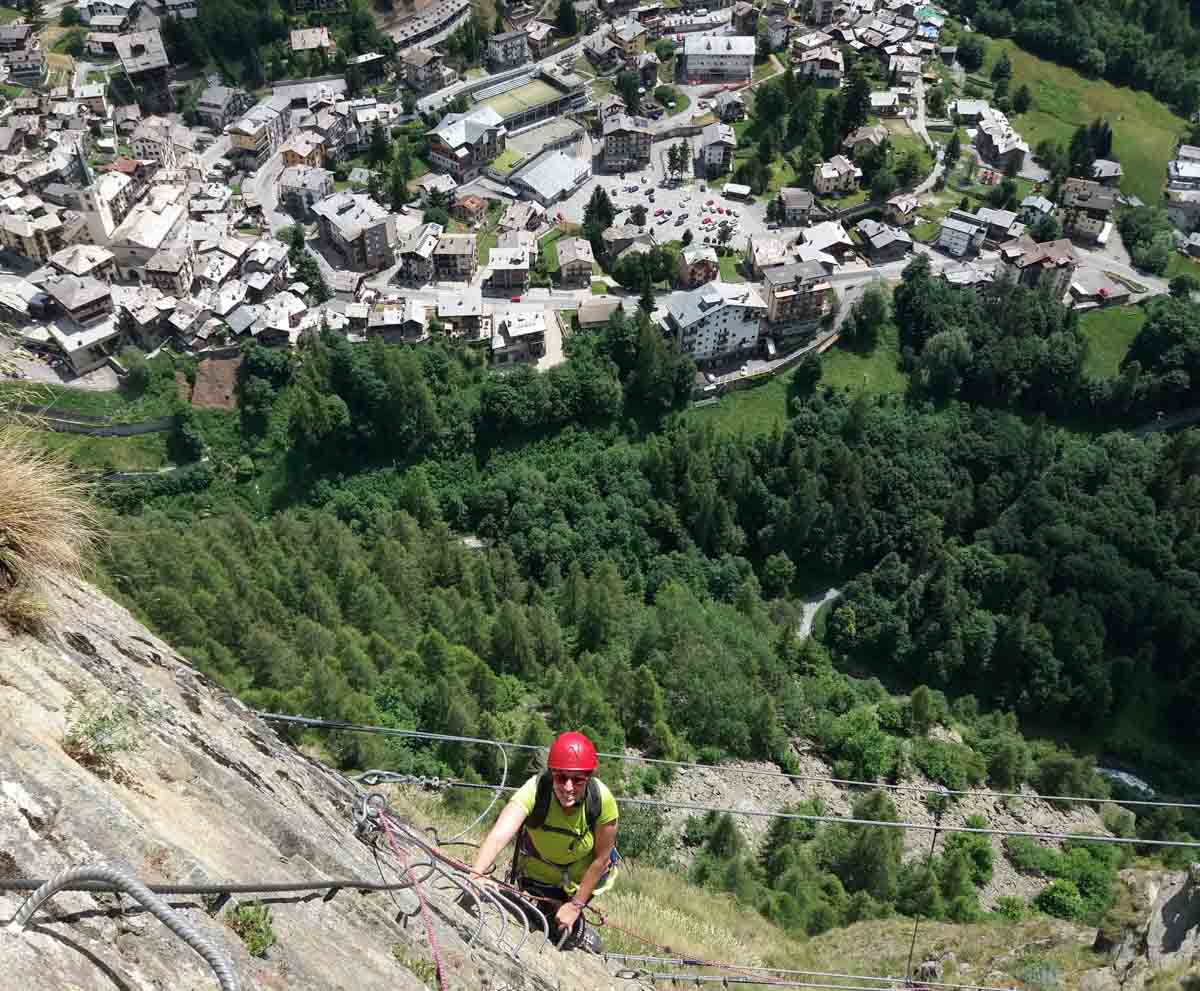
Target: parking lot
691 197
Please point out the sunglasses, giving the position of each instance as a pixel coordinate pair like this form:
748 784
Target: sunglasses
578 780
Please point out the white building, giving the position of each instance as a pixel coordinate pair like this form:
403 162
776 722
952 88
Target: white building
838 175
723 57
960 238
715 321
717 145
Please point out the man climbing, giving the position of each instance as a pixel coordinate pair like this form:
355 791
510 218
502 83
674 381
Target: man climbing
565 824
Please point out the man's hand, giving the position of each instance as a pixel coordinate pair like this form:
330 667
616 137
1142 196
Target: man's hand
484 881
567 914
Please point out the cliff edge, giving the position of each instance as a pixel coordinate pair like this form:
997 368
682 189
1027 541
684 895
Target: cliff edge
195 790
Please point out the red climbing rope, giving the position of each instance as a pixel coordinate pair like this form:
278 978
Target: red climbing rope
425 915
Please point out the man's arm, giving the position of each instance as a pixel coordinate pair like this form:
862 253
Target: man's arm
507 826
606 839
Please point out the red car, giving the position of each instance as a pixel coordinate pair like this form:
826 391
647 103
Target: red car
709 203
659 212
515 299
720 209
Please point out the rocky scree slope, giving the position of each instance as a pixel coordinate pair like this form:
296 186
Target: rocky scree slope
725 788
211 794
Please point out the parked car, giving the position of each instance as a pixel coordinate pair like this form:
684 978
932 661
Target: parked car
515 299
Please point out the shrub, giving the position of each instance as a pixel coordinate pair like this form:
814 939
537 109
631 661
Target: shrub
252 923
1060 898
951 764
97 732
1010 908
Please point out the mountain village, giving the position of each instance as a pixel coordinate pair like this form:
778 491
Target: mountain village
196 215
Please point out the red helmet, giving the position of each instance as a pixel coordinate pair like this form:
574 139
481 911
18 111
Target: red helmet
572 752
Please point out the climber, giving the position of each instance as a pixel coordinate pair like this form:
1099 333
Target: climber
565 824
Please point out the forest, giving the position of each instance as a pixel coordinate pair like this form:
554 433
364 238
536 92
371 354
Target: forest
1151 46
395 535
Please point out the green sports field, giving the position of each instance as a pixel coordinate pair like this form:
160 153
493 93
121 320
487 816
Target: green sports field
533 94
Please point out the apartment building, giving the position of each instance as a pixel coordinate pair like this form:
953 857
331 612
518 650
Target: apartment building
454 258
1049 264
718 142
359 229
797 294
262 129
218 105
716 321
627 141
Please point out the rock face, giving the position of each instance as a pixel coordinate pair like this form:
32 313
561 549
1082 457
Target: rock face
212 793
1154 927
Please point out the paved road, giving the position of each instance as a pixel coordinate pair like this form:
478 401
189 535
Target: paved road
217 150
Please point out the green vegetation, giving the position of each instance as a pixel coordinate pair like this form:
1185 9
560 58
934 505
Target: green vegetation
10 14
766 69
252 924
507 160
1109 334
760 408
1144 131
729 262
874 372
636 552
98 733
140 453
548 247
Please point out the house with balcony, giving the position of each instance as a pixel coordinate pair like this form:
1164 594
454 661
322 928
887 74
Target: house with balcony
172 271
575 261
797 294
218 105
416 254
455 259
718 142
1047 265
698 264
261 130
796 205
508 270
508 50
714 322
301 186
627 142
838 176
825 65
961 237
1086 209
517 335
424 69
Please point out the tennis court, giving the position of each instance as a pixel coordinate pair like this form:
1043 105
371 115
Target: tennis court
536 93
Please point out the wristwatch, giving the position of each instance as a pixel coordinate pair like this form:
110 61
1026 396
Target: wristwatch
578 904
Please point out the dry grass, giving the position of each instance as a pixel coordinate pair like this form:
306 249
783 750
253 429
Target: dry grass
47 524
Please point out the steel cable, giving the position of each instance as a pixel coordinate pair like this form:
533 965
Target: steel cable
812 778
850 821
131 886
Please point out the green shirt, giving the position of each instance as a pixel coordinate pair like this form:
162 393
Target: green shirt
574 850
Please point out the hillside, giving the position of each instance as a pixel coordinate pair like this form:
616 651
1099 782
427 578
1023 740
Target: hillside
118 751
208 793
